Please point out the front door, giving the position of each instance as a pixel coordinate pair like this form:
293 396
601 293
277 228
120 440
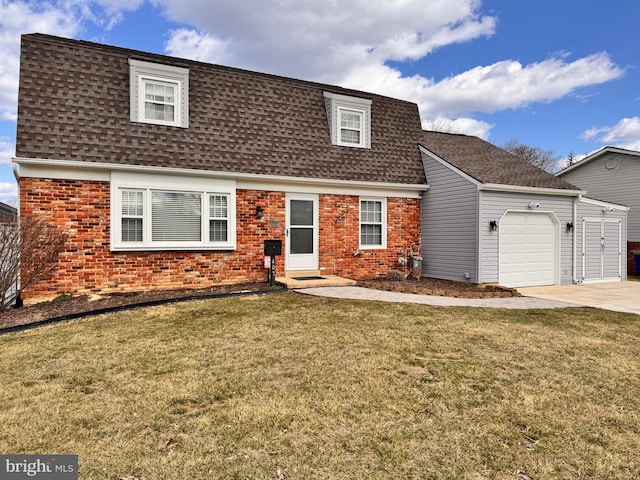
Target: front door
302 232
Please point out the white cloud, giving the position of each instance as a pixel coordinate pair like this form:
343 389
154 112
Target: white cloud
624 134
8 193
17 18
348 43
56 17
186 43
321 40
7 151
510 85
351 43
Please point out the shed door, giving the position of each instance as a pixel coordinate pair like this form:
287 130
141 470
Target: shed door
601 249
529 251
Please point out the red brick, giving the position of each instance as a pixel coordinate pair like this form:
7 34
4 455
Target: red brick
88 266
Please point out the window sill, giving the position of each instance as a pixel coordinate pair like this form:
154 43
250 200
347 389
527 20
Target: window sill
168 248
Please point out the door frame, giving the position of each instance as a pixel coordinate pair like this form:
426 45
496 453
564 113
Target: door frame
302 262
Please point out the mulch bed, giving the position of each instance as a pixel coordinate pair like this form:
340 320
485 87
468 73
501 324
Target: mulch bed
40 312
440 287
45 311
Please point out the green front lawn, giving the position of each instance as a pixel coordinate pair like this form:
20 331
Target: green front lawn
295 387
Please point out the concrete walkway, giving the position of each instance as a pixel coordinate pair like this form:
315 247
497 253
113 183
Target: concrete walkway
360 293
616 296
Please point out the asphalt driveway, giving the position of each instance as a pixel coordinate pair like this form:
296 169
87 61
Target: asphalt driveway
618 296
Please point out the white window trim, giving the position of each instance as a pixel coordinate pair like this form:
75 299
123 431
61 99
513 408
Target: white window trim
335 104
149 183
139 72
383 202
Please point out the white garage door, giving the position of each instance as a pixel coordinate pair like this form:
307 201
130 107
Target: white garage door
528 249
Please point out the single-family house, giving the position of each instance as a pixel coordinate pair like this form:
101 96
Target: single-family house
612 174
172 173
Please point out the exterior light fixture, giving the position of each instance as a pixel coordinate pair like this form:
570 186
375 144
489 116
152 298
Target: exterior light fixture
569 227
493 226
259 212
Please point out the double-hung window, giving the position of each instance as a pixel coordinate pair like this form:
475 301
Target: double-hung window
160 101
159 94
373 223
351 127
218 218
172 214
132 215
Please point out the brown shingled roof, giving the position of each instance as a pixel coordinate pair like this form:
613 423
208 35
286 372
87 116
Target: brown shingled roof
74 105
487 163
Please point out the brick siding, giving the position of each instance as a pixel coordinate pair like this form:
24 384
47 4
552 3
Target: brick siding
87 266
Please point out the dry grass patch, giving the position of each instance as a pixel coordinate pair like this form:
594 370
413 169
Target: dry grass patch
298 387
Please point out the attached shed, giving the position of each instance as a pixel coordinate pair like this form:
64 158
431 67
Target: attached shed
490 217
601 241
612 175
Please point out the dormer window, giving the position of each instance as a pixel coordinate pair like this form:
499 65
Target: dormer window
159 94
349 120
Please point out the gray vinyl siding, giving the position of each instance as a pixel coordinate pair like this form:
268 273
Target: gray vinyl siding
449 224
587 210
493 205
619 185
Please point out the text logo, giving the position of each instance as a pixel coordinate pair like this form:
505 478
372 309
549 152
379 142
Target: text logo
49 467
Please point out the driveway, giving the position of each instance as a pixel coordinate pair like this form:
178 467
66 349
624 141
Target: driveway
618 296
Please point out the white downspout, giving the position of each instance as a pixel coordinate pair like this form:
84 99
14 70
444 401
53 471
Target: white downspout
575 237
16 174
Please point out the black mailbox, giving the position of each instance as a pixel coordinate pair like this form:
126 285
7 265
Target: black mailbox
272 247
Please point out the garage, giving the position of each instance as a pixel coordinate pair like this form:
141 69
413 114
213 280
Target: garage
528 249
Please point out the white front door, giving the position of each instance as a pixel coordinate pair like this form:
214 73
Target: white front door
302 232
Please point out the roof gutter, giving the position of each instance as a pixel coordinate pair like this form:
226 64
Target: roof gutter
243 178
498 187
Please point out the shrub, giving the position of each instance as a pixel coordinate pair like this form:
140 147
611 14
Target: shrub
29 249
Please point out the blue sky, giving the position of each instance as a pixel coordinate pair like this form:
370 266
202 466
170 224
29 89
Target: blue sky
560 75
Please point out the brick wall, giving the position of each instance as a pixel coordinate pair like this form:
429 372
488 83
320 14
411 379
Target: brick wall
339 237
88 266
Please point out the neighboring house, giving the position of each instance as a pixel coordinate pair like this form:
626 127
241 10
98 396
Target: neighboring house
490 217
172 173
7 213
613 175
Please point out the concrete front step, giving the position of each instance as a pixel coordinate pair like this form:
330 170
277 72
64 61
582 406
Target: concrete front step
297 280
